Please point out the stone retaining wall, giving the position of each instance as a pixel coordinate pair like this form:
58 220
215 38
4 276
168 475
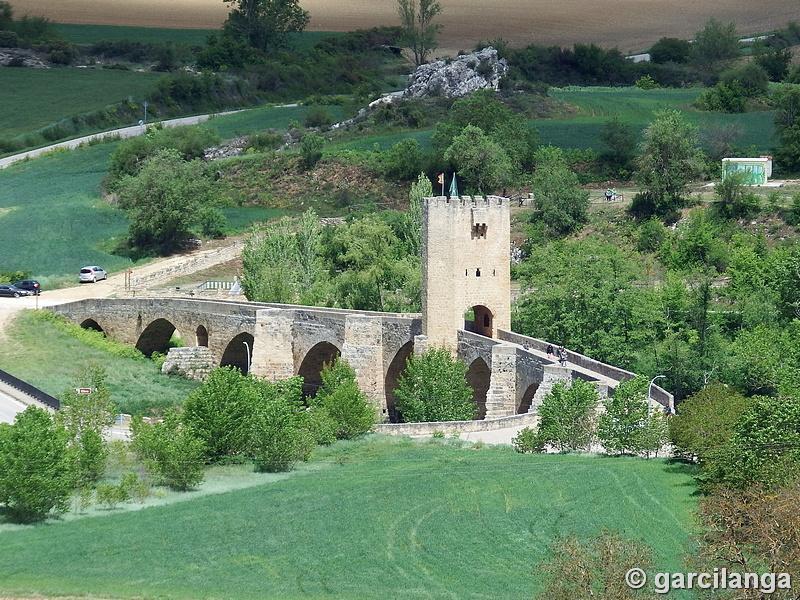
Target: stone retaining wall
450 427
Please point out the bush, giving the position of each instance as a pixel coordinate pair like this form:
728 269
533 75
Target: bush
404 160
567 416
345 405
311 149
35 470
526 441
318 117
172 452
433 387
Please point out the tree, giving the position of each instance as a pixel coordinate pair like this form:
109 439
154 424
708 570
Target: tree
217 413
716 46
265 24
594 567
764 449
311 148
498 122
173 453
567 416
342 401
420 31
670 50
87 419
279 427
620 139
433 387
482 163
561 204
36 474
752 531
623 423
786 99
163 201
669 159
705 420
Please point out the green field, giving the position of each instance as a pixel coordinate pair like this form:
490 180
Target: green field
49 359
53 220
376 518
33 99
596 106
90 34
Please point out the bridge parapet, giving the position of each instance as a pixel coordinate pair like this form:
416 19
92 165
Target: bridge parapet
588 368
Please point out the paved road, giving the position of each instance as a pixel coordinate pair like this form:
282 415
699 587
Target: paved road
125 132
9 408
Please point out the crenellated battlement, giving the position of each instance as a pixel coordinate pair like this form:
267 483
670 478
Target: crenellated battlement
460 202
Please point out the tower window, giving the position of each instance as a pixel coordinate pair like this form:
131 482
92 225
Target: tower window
477 272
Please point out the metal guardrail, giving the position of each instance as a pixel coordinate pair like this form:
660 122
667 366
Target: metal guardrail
29 390
215 285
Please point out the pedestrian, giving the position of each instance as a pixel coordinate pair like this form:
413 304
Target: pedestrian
549 351
562 356
609 194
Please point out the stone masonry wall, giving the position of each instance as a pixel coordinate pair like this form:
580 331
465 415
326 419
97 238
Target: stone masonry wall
465 264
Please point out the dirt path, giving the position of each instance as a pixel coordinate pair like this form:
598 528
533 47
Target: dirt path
152 275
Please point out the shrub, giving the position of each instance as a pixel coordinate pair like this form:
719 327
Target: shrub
526 441
279 432
311 149
172 452
344 403
35 471
567 416
318 117
433 387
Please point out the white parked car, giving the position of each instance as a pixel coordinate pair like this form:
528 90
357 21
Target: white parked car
92 274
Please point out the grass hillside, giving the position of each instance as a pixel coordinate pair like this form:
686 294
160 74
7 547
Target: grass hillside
49 358
377 518
33 99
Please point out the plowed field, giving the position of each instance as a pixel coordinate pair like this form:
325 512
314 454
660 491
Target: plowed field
630 25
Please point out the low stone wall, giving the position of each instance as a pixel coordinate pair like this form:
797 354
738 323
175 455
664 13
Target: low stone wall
449 427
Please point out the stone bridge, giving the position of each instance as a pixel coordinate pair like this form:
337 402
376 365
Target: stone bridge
510 373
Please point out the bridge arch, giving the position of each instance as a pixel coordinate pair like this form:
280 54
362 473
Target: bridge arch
396 367
201 336
239 352
311 367
527 398
92 324
479 378
155 337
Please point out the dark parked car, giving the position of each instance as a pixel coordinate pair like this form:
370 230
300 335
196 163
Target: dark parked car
29 284
12 291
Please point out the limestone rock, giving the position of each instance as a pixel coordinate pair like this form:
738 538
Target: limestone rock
20 57
457 77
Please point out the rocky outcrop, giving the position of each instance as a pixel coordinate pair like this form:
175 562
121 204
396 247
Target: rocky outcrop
457 77
452 78
18 57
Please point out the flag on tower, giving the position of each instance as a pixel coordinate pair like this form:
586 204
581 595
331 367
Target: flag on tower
441 182
453 187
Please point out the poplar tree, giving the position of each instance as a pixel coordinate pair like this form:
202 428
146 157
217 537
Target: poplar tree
420 31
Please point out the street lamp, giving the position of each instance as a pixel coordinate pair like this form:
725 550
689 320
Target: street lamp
247 347
650 387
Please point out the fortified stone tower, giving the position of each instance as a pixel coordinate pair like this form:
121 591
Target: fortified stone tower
465 265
